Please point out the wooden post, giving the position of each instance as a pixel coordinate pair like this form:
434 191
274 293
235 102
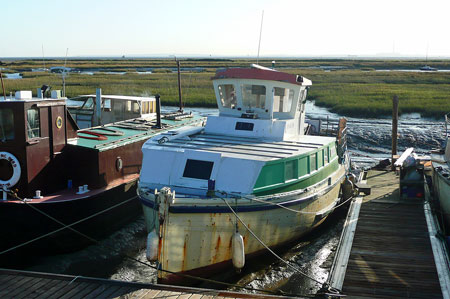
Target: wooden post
179 86
3 86
394 129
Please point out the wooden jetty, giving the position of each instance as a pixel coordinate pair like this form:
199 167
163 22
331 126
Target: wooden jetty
25 284
387 246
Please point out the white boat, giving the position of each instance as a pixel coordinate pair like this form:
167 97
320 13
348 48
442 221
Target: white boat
441 175
250 172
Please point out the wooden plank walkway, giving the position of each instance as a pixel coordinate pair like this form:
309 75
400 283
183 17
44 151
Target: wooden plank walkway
24 284
391 255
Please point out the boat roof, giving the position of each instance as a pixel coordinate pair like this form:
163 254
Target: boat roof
248 148
119 97
133 130
260 73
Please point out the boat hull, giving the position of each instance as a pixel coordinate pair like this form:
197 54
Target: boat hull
441 188
22 223
200 242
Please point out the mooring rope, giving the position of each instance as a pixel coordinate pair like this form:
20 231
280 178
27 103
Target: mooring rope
270 250
65 226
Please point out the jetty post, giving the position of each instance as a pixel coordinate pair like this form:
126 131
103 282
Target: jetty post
394 129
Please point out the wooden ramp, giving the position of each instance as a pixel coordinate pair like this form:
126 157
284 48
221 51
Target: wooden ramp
24 284
391 255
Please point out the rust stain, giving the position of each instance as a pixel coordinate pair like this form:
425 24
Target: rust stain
217 251
184 254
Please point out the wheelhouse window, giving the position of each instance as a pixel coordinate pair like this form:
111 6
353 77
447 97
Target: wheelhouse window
106 104
253 96
198 169
6 125
33 127
282 99
132 106
147 107
227 95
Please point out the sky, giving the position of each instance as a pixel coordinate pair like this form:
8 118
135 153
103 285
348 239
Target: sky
224 28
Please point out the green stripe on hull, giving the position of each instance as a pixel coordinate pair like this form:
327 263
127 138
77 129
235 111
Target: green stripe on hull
307 181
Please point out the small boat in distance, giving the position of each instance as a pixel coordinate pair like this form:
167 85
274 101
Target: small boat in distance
428 68
53 175
250 179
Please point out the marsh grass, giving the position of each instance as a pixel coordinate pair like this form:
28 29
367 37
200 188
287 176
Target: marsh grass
356 91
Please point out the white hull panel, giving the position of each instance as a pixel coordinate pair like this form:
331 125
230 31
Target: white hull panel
197 240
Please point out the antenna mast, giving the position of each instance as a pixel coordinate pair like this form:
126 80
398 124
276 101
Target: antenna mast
43 61
260 33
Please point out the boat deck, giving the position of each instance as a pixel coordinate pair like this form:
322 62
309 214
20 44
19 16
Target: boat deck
249 148
387 250
24 284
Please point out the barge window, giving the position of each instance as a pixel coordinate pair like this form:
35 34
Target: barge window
253 96
6 125
313 162
227 96
198 169
33 128
282 99
325 155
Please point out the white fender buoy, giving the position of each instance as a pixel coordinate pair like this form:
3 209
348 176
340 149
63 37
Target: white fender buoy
238 251
152 246
14 179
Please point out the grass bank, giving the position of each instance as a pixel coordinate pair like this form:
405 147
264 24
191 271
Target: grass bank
352 88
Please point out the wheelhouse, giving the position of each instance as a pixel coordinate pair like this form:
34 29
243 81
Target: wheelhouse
113 108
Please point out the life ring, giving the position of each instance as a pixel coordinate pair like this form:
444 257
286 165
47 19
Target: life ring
99 136
16 170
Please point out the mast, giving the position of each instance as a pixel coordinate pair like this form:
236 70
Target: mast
179 85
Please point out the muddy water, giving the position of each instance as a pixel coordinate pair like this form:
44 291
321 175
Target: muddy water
369 141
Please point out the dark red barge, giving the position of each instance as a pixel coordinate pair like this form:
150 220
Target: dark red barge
50 168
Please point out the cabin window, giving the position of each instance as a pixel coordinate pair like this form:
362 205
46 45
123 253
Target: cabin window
227 95
89 104
313 162
6 125
332 152
290 170
106 104
132 106
303 166
325 155
319 159
282 99
198 169
145 107
33 128
253 96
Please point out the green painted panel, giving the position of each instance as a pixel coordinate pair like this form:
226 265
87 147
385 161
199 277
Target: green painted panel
270 174
318 176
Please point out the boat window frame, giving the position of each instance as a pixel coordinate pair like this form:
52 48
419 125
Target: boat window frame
38 118
11 123
261 101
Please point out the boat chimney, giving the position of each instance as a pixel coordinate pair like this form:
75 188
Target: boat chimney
158 111
98 107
